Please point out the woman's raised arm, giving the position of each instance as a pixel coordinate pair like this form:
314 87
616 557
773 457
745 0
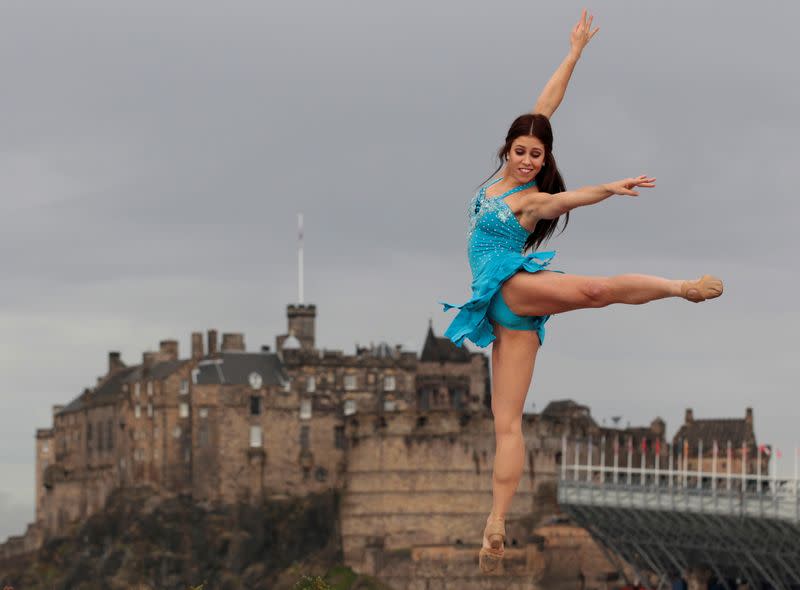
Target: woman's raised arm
556 86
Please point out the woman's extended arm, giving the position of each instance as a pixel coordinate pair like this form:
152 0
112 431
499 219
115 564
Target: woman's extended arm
545 206
556 86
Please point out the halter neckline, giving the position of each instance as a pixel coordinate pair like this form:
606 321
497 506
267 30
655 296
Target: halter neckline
516 189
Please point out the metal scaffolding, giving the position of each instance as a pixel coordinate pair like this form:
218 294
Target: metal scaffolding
743 526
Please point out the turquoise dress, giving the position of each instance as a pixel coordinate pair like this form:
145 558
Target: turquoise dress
495 241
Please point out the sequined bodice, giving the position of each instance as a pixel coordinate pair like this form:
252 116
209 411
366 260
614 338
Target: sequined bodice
494 230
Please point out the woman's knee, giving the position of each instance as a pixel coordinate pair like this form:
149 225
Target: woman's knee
597 292
506 425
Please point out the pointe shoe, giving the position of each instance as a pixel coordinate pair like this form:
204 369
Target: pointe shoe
489 558
706 287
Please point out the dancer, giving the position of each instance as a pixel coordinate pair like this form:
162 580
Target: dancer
512 293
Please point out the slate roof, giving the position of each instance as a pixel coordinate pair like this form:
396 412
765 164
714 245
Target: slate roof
563 407
736 430
438 349
109 390
234 368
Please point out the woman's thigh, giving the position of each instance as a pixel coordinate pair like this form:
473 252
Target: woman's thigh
513 359
547 292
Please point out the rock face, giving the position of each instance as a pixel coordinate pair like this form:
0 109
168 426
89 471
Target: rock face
143 541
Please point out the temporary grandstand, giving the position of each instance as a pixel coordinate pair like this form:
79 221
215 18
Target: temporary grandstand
672 516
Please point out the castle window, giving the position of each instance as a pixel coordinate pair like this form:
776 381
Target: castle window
389 405
176 432
305 409
137 411
389 383
203 412
321 474
184 386
46 446
150 410
88 437
99 436
458 397
311 384
349 407
423 399
149 388
255 405
195 373
350 382
183 410
110 434
203 432
338 437
304 442
137 389
255 436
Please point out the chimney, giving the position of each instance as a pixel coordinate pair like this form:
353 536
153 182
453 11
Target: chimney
689 416
57 409
197 345
148 358
114 362
168 350
748 416
212 342
233 341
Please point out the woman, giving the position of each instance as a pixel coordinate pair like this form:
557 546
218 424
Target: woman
513 296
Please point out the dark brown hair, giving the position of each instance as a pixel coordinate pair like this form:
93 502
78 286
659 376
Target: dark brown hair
548 179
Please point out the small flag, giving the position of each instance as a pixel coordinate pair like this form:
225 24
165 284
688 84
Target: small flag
658 446
778 453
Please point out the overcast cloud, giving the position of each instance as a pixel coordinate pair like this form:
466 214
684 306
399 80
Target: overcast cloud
154 157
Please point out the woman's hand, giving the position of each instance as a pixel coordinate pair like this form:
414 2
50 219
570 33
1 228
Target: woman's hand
626 185
581 34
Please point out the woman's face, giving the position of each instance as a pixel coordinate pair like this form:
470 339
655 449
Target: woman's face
525 158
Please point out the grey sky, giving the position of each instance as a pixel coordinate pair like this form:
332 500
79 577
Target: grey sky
154 157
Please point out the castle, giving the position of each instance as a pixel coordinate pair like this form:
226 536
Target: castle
408 438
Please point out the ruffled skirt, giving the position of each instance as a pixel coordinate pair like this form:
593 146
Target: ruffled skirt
472 321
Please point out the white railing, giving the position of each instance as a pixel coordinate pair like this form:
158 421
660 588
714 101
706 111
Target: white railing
588 478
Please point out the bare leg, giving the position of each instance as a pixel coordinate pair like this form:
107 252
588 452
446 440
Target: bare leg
547 293
513 358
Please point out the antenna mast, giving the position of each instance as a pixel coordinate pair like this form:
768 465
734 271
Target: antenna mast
300 258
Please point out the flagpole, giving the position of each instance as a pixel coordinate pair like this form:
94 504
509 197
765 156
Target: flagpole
758 469
589 474
603 459
700 464
630 458
616 459
744 467
564 457
714 467
730 466
642 478
658 461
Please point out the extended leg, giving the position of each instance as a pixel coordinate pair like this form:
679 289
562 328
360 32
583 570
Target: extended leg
547 293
